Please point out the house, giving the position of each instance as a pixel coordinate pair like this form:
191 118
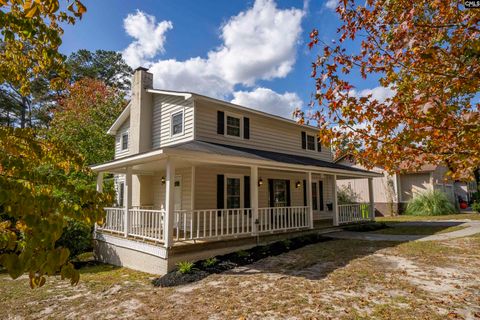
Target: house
392 192
196 177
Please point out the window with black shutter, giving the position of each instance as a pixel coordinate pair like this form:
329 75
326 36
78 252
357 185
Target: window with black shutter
220 122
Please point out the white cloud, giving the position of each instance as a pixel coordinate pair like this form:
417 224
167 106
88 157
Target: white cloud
149 38
257 44
267 100
378 93
331 4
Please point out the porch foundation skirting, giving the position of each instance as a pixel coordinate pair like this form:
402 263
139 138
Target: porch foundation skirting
159 260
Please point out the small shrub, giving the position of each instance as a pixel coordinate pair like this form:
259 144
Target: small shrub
242 254
476 206
430 203
210 262
185 267
77 237
346 195
287 243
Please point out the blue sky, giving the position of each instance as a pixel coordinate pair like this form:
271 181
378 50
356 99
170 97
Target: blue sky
250 52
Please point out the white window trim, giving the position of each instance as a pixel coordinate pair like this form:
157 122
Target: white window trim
172 114
126 133
233 176
233 115
315 142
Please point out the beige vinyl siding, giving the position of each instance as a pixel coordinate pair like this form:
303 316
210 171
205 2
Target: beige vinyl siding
413 184
163 108
360 186
159 188
125 127
265 133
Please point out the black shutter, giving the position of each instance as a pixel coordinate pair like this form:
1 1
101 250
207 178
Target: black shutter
220 122
304 140
319 145
320 190
246 191
287 182
305 193
270 193
246 128
220 191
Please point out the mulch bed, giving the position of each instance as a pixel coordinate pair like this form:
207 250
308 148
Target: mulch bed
235 259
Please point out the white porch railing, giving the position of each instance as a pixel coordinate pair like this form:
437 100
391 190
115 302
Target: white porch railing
113 220
282 218
355 212
212 223
146 224
204 224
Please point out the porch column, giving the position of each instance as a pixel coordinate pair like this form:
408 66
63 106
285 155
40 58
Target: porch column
100 182
370 198
169 203
128 199
335 201
309 199
254 197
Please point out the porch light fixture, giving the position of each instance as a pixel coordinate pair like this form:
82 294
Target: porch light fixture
260 182
298 184
163 180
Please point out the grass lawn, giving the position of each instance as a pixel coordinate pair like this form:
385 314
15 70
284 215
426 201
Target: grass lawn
338 279
404 218
418 230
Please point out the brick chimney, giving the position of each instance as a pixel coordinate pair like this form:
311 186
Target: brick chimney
141 111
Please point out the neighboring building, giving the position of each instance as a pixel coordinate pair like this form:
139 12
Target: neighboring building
392 192
197 176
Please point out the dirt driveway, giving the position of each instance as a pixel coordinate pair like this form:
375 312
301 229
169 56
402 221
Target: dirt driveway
336 279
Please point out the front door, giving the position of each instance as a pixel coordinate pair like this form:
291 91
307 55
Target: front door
279 193
317 196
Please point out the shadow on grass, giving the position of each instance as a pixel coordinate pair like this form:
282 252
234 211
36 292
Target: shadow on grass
311 256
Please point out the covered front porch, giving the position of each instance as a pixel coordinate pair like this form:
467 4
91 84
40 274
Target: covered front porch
173 198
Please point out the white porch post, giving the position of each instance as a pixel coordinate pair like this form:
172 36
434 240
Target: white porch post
169 203
254 197
370 198
309 199
192 190
335 201
100 182
128 199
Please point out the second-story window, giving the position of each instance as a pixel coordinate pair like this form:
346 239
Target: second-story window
125 141
310 142
177 123
233 126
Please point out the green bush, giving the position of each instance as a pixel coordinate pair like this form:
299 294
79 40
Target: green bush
77 237
476 206
430 203
346 195
185 267
210 262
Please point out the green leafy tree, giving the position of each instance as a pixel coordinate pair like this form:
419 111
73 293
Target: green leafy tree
42 185
30 36
83 117
107 66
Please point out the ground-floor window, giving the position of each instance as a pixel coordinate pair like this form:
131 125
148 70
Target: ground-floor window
233 190
280 193
121 194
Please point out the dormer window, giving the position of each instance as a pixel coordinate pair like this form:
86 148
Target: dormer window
177 123
233 126
125 141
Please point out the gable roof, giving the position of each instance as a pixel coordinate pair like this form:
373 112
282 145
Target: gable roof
120 120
